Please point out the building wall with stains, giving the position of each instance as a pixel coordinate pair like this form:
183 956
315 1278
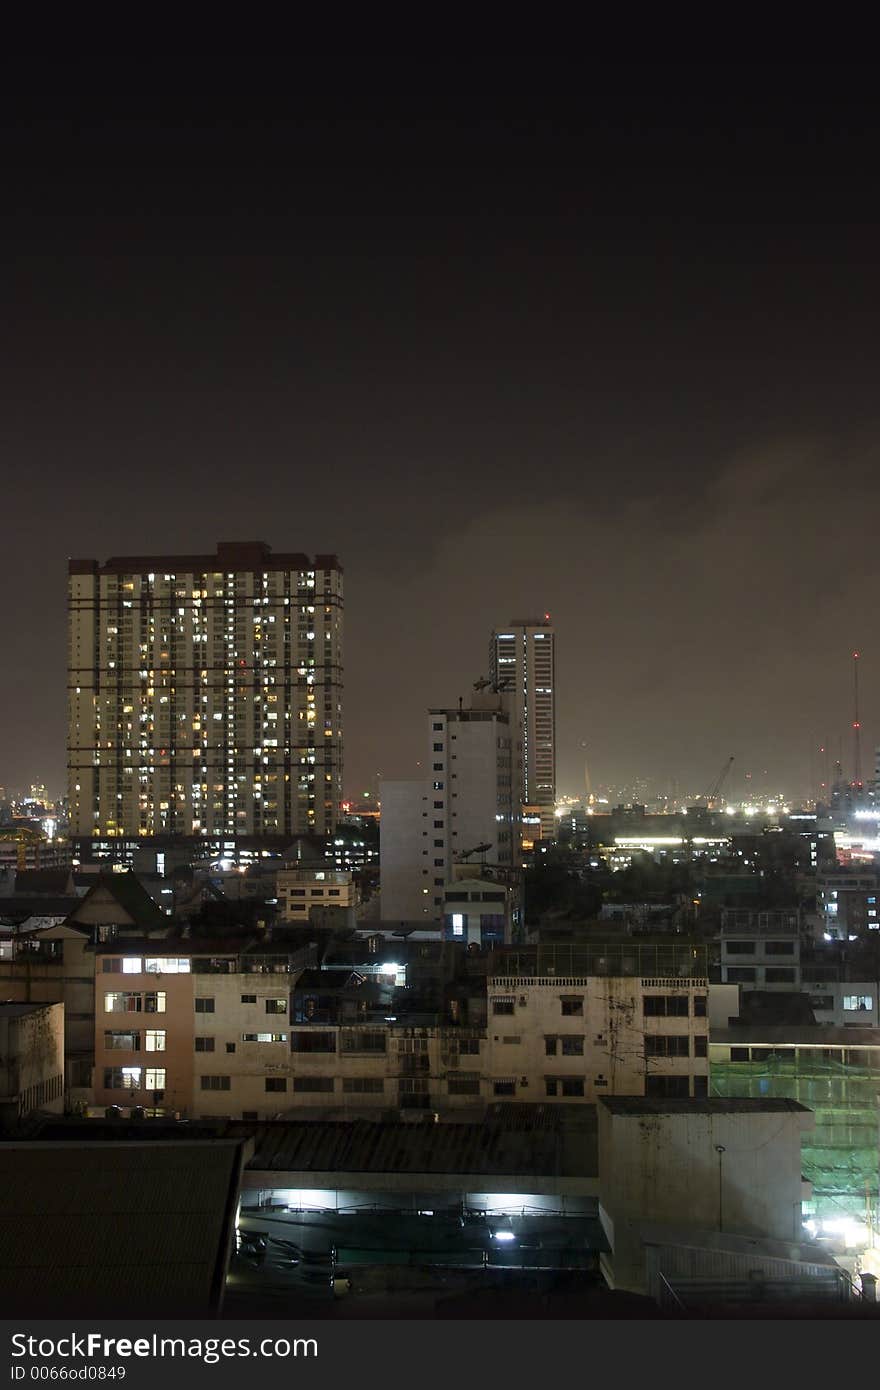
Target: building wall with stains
716 1165
31 1060
570 1038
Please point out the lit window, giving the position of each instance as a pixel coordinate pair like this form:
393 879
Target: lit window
167 965
155 1040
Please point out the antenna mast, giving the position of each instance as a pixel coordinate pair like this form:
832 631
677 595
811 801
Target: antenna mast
857 742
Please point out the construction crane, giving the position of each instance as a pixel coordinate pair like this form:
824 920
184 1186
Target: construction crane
24 835
857 746
590 801
715 791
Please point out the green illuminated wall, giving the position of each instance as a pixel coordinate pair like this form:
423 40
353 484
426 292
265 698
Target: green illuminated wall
840 1155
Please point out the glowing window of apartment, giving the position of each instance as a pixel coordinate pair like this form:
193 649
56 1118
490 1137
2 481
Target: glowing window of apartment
132 965
167 965
155 1040
155 1079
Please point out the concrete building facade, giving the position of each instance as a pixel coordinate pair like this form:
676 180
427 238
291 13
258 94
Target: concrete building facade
55 966
718 1165
31 1060
465 810
205 694
300 890
191 1029
847 903
761 950
407 889
582 1037
522 662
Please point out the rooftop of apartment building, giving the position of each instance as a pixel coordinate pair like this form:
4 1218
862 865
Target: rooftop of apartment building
665 956
758 922
230 556
245 952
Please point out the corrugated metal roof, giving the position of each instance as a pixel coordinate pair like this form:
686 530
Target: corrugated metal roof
643 1105
141 1225
364 1146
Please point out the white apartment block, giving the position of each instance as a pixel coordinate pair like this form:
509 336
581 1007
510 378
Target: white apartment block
471 808
550 1039
465 811
407 894
387 1066
585 1037
522 662
205 694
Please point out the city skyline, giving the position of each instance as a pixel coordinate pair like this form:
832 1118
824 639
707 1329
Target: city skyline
621 378
406 757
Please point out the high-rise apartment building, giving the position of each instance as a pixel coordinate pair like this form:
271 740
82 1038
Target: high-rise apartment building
522 661
205 694
466 811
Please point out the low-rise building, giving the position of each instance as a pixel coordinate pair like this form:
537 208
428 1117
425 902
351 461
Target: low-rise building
761 950
481 911
710 1165
193 1028
299 890
844 1003
847 903
31 1060
581 1023
54 965
836 1073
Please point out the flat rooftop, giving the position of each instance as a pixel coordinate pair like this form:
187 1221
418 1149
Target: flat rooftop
643 1105
20 1010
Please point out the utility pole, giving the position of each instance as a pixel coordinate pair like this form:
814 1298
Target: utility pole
720 1150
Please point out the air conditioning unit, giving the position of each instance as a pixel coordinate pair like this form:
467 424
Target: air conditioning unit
523 1001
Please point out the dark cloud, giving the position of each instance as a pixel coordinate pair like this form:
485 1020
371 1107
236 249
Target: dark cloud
611 357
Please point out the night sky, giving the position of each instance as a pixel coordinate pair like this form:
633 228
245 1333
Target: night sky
598 341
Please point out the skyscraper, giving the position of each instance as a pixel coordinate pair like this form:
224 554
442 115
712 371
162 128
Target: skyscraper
522 661
205 694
